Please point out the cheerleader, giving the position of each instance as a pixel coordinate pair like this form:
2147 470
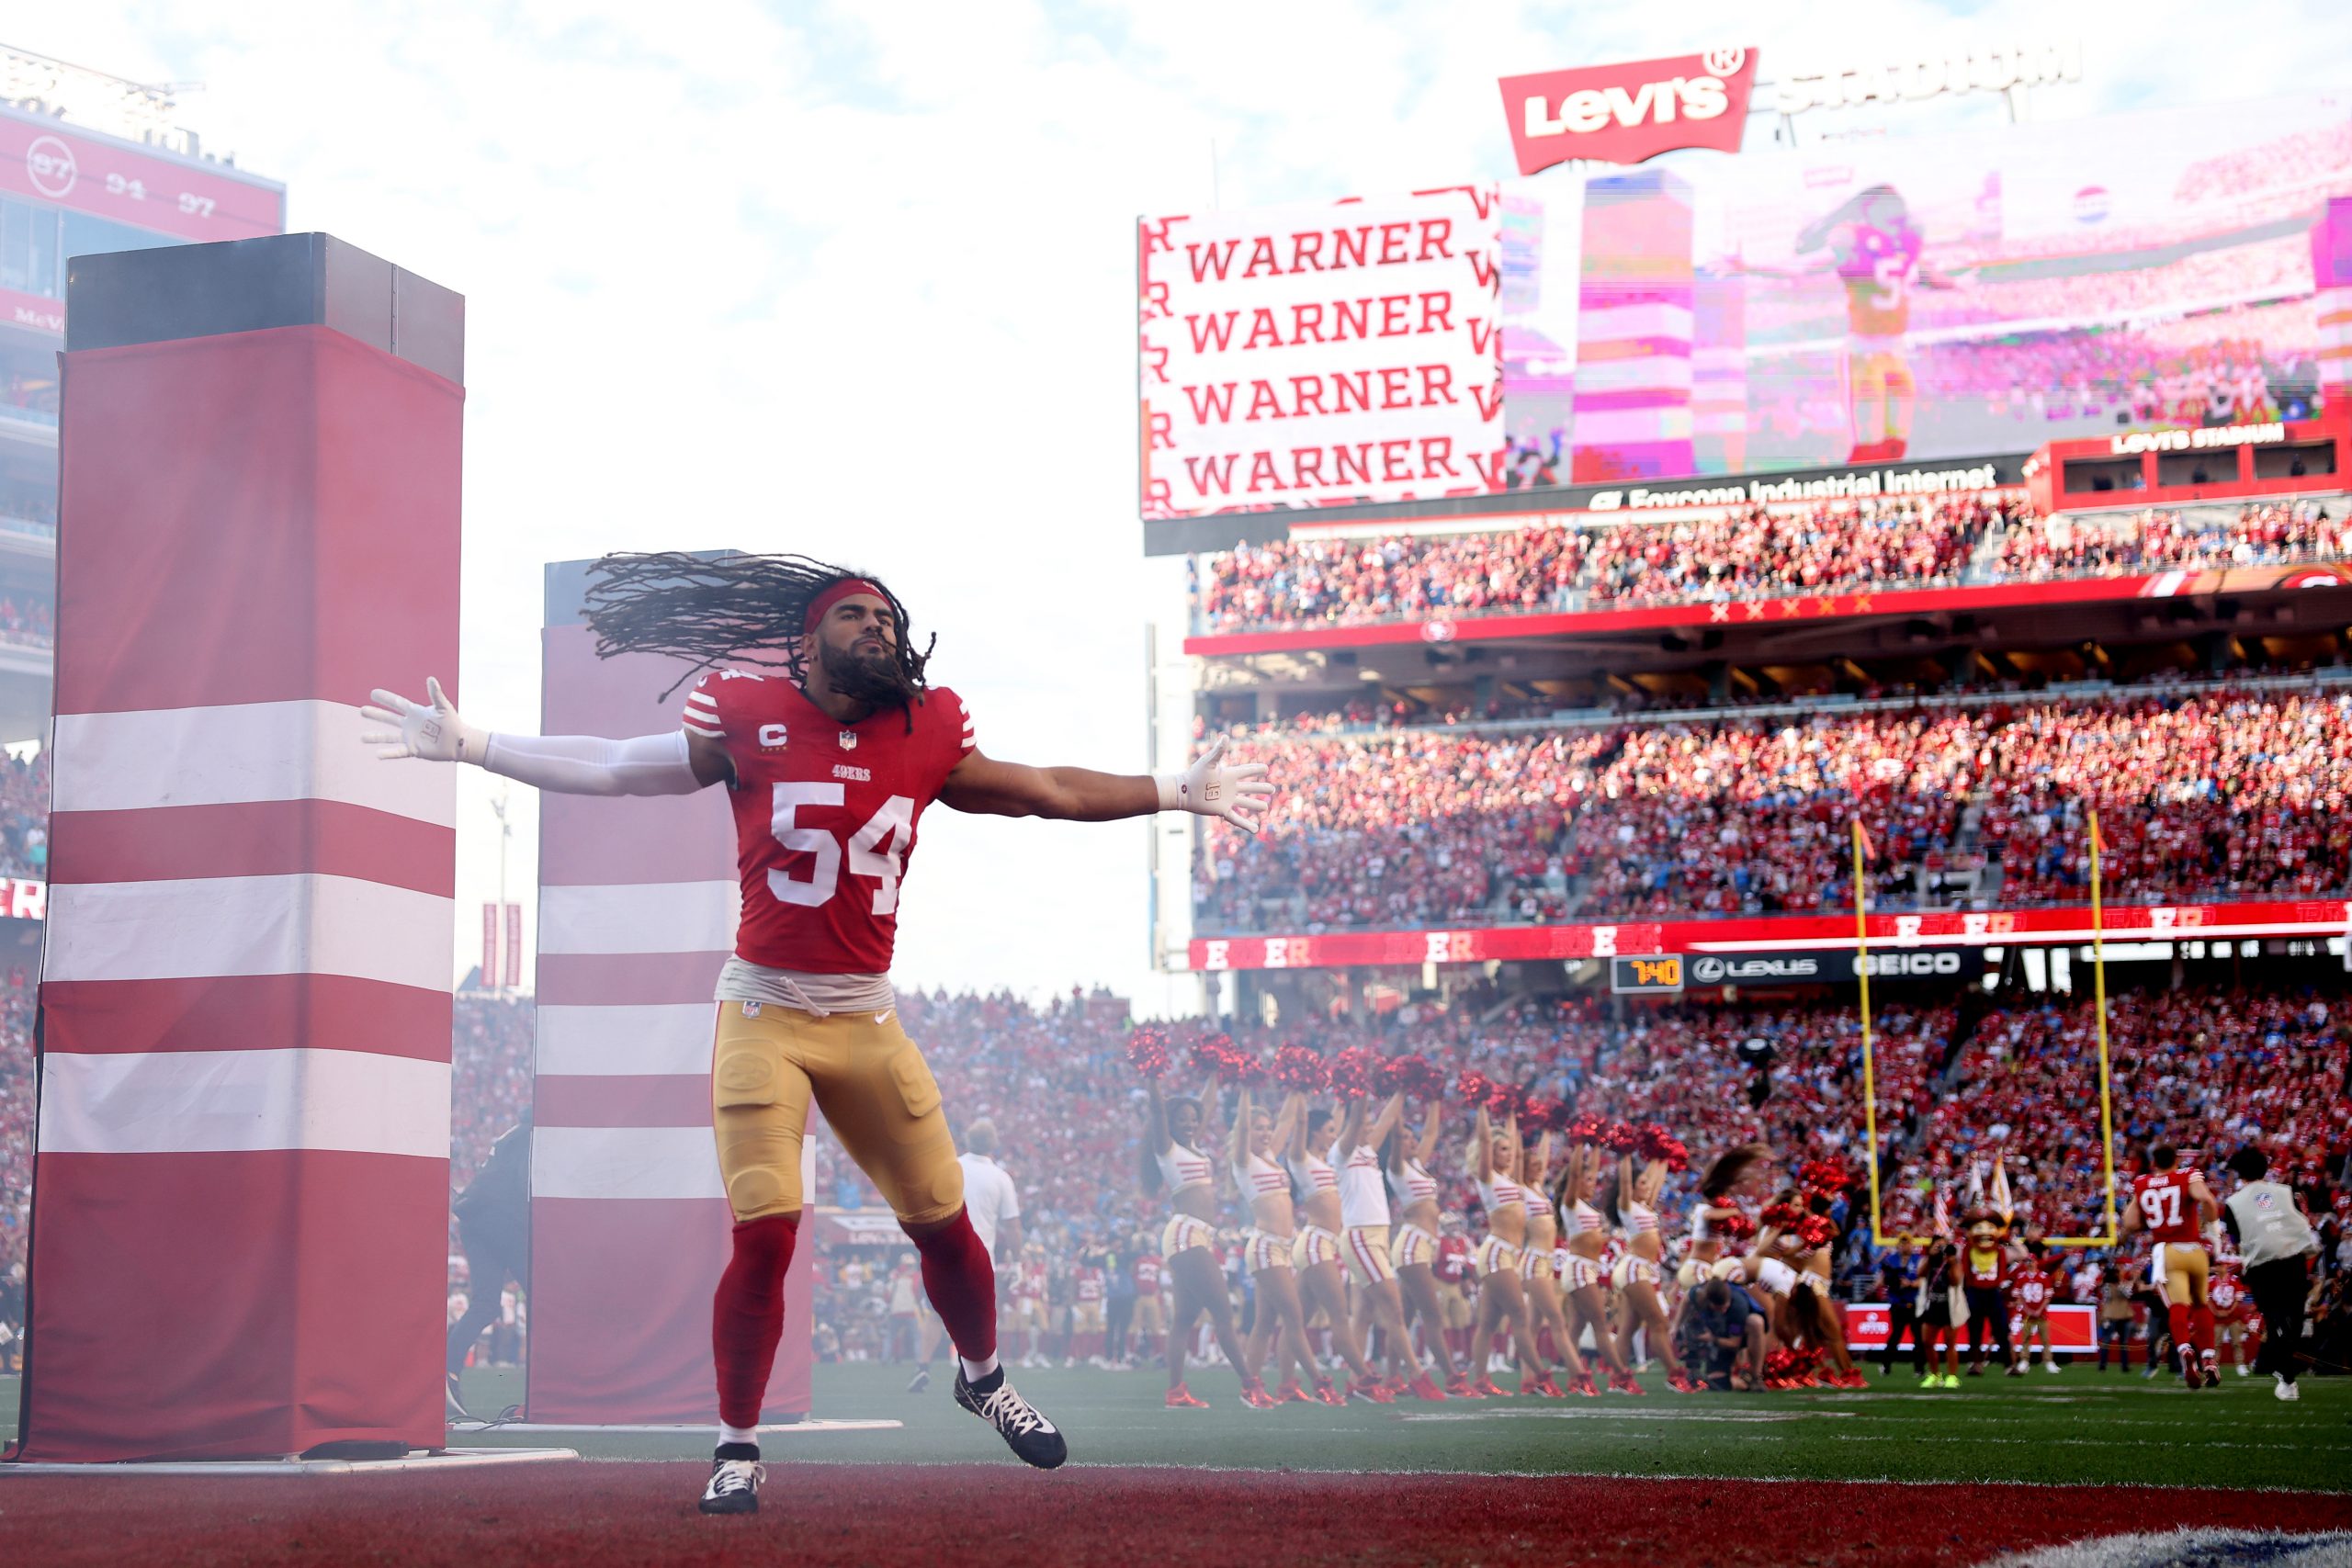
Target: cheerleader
1587 1232
1818 1270
1412 1199
1281 1324
1793 1268
1171 1158
1502 1298
1540 1268
1314 1252
1717 1203
1364 1211
1632 1197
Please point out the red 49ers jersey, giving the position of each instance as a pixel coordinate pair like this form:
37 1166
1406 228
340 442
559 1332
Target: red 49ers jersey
2166 1206
825 815
2031 1286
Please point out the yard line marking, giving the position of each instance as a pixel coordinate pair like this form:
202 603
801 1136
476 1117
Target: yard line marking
1734 1417
2060 1442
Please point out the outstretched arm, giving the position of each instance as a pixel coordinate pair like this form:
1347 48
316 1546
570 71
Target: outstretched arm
1427 1145
1482 1147
1287 1119
1210 787
433 731
1236 1140
1386 1122
1351 1128
1155 1126
1653 1182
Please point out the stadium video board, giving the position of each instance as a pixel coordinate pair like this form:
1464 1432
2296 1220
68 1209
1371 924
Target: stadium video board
1918 300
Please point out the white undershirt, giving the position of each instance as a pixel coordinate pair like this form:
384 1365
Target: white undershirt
740 980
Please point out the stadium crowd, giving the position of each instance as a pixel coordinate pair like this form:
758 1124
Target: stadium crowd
1725 814
1754 552
1960 1079
2037 549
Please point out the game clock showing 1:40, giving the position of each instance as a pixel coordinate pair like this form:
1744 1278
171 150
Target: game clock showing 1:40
1663 973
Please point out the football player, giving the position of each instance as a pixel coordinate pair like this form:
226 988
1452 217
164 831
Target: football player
2172 1203
819 719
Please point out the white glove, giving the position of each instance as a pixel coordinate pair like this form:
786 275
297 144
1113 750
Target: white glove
431 730
1213 787
569 764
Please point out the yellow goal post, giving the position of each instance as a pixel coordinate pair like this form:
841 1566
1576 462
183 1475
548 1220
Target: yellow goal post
2098 991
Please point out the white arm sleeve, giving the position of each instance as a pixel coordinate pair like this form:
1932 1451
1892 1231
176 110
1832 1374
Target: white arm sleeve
589 764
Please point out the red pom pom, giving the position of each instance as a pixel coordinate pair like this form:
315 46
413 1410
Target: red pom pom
1827 1177
1587 1129
1414 1075
1658 1144
1301 1070
1816 1230
1782 1215
1147 1050
1355 1073
1734 1227
1474 1087
1620 1139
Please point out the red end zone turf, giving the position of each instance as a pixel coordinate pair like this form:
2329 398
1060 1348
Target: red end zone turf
590 1515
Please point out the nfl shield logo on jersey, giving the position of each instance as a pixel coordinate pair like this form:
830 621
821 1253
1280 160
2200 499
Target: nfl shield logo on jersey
849 739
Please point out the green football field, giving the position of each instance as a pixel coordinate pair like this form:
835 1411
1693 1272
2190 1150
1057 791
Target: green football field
2077 1427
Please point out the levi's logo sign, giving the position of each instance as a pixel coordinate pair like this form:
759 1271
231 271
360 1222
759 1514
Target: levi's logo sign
1624 113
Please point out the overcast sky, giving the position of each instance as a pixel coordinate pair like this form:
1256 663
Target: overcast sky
858 281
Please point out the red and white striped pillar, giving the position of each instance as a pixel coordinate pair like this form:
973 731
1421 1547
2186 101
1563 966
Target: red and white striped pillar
241 1178
630 1222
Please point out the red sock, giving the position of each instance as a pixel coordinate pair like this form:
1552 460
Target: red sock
2200 1327
747 1315
2178 1313
961 1283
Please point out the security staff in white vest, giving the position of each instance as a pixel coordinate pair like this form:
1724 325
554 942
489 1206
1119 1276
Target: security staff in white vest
2276 1241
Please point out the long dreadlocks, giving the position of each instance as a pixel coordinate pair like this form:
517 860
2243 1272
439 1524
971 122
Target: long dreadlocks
740 609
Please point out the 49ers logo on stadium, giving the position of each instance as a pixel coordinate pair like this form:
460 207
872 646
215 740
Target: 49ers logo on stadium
1625 114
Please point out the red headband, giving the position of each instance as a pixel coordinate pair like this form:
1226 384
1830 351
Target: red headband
834 596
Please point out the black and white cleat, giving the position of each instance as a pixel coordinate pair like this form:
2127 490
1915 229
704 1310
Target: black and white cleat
1024 1428
734 1487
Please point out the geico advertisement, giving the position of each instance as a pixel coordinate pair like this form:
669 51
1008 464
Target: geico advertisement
1827 968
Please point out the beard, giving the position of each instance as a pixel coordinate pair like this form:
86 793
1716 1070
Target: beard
874 679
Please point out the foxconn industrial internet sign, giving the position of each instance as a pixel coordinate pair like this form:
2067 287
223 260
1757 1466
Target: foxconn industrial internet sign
1321 355
1624 113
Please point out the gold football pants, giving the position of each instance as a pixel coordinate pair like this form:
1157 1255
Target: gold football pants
868 1078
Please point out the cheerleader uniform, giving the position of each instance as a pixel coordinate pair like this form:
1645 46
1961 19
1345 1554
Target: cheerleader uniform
1410 1244
1585 1220
1313 1245
1180 1170
1262 1249
1495 1256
